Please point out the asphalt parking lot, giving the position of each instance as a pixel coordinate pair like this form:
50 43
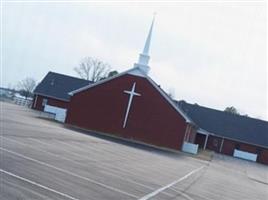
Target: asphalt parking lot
41 159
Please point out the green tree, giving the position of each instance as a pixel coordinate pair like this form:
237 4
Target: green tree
232 110
112 73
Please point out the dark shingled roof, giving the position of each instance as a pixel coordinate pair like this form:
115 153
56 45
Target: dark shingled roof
59 85
237 127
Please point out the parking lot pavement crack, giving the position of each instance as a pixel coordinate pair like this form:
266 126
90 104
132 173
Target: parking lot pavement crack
258 181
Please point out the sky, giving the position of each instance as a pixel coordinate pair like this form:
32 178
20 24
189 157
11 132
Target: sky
208 52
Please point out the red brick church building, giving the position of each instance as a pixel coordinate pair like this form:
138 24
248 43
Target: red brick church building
132 106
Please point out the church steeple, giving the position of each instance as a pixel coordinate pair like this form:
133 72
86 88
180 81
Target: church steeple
148 40
144 56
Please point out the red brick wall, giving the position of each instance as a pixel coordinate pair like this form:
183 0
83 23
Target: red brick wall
248 148
51 102
228 147
263 156
151 118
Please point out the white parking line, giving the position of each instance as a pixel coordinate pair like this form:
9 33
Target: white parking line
152 194
38 185
81 157
79 163
70 173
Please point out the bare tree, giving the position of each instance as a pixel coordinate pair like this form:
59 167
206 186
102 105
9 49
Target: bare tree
26 86
92 69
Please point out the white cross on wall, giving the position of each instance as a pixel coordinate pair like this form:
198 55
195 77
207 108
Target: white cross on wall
131 93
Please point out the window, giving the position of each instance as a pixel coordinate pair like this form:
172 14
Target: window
44 102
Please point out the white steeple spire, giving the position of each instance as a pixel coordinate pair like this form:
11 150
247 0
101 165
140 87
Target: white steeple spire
148 40
144 56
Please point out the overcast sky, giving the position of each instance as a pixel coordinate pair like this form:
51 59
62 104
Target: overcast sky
213 54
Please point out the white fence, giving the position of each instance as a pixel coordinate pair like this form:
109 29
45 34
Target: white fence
245 155
190 148
22 101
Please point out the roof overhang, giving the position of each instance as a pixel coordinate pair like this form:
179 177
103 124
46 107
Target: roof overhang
45 95
204 132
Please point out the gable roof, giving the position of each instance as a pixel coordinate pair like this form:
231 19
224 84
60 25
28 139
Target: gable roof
228 125
58 86
137 72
